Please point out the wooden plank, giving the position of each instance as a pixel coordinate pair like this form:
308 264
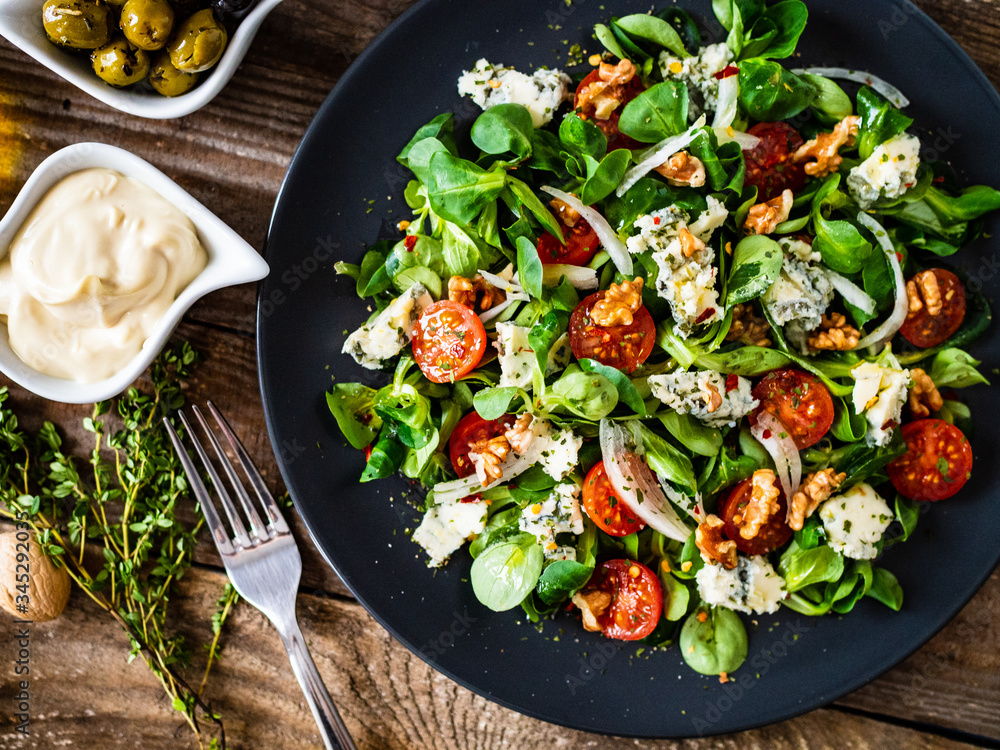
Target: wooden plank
388 697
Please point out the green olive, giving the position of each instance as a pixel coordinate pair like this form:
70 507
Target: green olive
147 23
167 80
198 43
120 63
77 24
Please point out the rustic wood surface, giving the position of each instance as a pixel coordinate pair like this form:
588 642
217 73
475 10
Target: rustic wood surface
232 155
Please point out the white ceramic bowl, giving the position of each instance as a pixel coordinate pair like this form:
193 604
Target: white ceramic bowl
230 261
21 24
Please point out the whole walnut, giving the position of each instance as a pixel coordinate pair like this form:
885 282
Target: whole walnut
48 586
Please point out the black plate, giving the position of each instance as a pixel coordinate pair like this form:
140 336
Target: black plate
344 189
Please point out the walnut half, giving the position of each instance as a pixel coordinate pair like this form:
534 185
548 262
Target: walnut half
763 503
816 488
924 395
592 604
715 549
748 327
824 147
618 304
466 291
682 170
489 454
764 218
834 334
923 291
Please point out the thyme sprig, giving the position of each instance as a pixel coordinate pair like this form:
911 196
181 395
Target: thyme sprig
125 501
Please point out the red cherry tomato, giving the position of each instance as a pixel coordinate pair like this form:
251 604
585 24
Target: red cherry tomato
636 599
937 462
769 165
923 329
616 139
799 401
605 508
470 429
774 534
448 341
581 244
621 347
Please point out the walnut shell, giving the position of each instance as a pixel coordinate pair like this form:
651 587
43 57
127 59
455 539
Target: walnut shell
48 586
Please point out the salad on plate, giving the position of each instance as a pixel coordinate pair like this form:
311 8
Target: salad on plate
676 337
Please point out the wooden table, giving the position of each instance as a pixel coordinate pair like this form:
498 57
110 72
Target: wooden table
232 156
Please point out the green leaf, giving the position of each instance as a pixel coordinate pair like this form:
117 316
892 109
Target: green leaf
561 578
506 573
608 39
803 567
529 267
789 18
848 425
627 392
582 137
880 121
953 368
352 406
657 113
907 513
669 462
606 177
841 245
757 261
719 644
493 403
832 103
540 211
407 277
886 589
587 394
420 155
441 128
655 30
676 596
747 361
768 92
692 434
458 189
504 128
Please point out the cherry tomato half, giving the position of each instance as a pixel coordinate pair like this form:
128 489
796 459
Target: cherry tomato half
799 401
774 534
923 329
604 507
636 599
448 341
621 347
769 165
616 139
470 429
581 244
937 462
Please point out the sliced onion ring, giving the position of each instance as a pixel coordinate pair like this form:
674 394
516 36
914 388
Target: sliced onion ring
655 156
850 291
902 305
607 235
777 441
725 112
580 277
636 485
885 88
747 142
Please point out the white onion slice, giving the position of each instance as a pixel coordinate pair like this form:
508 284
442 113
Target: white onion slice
654 157
777 441
607 235
850 291
512 288
902 305
495 311
580 277
725 113
885 88
456 489
747 142
637 486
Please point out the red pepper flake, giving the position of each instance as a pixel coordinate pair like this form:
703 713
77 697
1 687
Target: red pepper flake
939 179
890 424
409 242
471 498
726 72
767 434
367 450
656 219
899 256
709 312
732 382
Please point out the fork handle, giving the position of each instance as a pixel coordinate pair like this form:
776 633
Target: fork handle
331 726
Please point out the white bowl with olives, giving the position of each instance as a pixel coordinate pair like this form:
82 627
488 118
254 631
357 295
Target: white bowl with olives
158 59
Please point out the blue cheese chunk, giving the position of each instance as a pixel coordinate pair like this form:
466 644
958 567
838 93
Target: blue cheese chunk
556 450
889 172
542 92
387 333
693 393
713 217
447 526
753 586
879 393
698 72
517 358
855 521
558 513
802 292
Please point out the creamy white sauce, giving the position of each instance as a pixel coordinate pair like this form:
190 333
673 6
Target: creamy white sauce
92 271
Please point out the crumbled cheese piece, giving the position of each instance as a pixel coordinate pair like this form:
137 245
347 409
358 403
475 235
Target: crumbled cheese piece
558 513
709 220
542 92
879 393
889 172
802 292
698 72
689 393
752 586
446 527
556 450
855 521
387 333
517 359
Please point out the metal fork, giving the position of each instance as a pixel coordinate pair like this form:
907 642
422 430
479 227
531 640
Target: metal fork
263 562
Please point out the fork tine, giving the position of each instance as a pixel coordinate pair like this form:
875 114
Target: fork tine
218 531
240 535
256 480
257 529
